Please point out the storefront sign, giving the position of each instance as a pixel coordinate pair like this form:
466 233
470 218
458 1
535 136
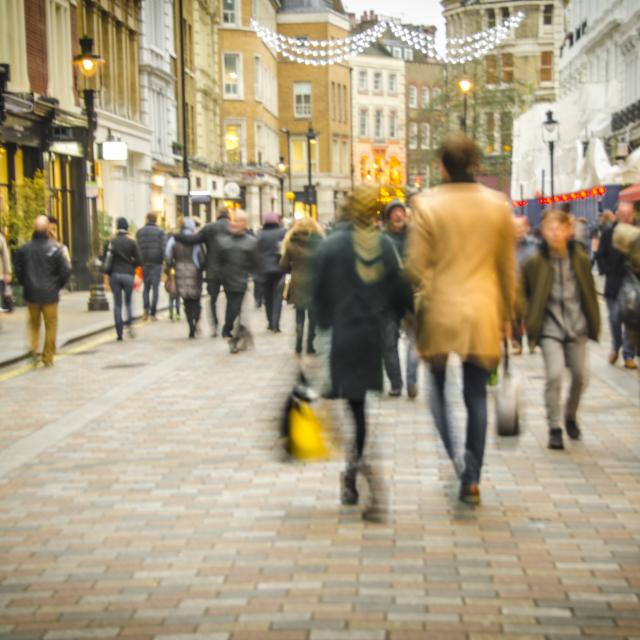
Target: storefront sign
180 186
67 148
113 150
91 189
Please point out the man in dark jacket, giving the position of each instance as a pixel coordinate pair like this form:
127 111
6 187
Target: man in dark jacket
42 270
561 315
210 235
151 241
237 259
270 239
611 263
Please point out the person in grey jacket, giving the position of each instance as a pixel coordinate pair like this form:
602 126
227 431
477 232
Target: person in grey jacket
151 240
270 238
238 258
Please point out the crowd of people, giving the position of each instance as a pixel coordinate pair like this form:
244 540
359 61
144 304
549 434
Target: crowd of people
453 270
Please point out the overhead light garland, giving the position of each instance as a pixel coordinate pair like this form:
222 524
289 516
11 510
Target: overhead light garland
320 53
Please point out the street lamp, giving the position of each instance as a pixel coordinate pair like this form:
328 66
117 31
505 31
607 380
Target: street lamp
311 140
282 168
551 135
288 134
88 63
465 87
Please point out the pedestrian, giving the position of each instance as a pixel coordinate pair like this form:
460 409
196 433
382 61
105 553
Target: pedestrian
626 239
210 236
269 248
5 271
526 247
42 270
299 248
611 263
395 228
125 258
188 261
461 258
237 259
562 314
356 283
152 242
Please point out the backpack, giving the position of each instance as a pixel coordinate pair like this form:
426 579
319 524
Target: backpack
629 300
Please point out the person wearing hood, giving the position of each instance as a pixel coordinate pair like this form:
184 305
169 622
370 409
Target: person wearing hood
188 261
562 314
356 283
298 250
42 270
395 228
125 257
270 240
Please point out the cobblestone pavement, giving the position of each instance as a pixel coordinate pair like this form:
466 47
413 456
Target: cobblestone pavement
141 497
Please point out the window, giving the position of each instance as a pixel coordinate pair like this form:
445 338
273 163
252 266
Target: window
299 155
425 135
229 12
397 52
379 124
425 97
413 96
546 66
363 123
506 131
547 16
490 131
363 81
413 135
257 78
232 76
156 24
393 83
491 65
302 99
393 125
507 68
408 55
377 82
504 14
491 18
427 176
234 142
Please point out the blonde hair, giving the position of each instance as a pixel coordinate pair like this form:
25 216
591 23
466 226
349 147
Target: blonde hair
561 216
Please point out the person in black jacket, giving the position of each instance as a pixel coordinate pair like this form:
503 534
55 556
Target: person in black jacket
151 240
270 238
611 263
125 257
210 235
42 270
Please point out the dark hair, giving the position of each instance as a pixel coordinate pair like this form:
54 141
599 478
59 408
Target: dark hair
561 216
152 217
223 212
460 156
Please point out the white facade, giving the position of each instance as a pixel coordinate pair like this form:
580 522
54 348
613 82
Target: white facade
599 68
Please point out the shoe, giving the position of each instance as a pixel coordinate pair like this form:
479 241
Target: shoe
555 439
171 317
214 331
177 317
630 363
119 338
572 428
131 332
517 349
145 317
613 357
470 493
48 364
412 391
395 393
153 318
348 490
311 351
493 378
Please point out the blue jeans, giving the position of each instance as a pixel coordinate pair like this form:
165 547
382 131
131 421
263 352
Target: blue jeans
413 360
619 333
475 399
121 283
151 275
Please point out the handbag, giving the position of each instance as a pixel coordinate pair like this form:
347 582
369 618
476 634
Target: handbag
170 283
629 300
107 265
507 399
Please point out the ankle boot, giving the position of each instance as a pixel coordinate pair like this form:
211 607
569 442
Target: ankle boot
349 492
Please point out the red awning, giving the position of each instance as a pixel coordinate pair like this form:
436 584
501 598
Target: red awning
630 194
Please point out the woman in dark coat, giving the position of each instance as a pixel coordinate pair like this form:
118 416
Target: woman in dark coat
270 238
356 282
298 250
188 261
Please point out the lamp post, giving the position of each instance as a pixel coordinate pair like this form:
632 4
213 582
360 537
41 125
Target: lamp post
550 135
465 87
88 63
282 168
288 134
311 140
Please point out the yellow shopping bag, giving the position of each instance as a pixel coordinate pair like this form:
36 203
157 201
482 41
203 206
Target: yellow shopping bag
308 436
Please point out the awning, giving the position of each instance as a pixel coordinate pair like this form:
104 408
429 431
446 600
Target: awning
630 194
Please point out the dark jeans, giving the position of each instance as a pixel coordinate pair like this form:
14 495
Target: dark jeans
390 353
121 283
619 333
474 385
192 310
311 331
272 292
151 275
213 288
234 306
357 410
174 305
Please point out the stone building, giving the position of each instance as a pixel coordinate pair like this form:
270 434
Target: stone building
317 97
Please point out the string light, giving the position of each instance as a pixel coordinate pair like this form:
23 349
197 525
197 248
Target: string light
325 52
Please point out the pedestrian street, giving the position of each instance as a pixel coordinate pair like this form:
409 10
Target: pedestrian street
142 495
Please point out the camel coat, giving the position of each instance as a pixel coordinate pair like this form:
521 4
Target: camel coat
461 256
